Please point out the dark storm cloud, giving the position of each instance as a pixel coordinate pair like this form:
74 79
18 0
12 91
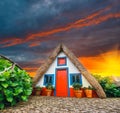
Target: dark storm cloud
19 19
25 54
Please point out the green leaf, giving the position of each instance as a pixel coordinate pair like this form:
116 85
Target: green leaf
4 84
24 98
7 92
1 105
1 68
28 92
0 87
5 63
13 102
2 79
7 74
14 84
18 90
1 97
16 69
9 99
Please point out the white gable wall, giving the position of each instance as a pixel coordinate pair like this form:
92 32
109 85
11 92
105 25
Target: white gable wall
71 69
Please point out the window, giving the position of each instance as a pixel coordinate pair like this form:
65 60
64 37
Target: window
49 78
61 61
75 78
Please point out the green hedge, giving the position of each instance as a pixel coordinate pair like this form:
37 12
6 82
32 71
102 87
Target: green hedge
15 84
108 86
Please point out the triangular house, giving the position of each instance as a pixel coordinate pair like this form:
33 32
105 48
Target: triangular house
61 68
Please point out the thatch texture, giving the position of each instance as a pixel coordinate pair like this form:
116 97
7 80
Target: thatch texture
76 62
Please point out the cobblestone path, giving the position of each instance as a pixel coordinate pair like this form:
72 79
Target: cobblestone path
44 104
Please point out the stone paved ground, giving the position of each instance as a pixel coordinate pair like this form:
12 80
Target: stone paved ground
45 104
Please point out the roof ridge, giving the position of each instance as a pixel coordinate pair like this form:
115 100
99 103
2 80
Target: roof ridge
76 62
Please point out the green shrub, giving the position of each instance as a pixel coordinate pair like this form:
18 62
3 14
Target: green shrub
76 86
108 86
90 88
38 88
49 86
15 84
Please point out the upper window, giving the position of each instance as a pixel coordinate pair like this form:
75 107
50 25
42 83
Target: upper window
61 61
49 78
75 78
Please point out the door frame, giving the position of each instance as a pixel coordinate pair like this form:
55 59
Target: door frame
67 79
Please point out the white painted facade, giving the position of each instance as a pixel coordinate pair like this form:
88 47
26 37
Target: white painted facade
71 69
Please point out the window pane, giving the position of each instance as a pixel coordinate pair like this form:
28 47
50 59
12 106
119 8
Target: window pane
78 78
46 77
50 79
61 61
73 79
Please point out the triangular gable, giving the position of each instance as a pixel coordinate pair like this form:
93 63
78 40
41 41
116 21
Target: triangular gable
75 61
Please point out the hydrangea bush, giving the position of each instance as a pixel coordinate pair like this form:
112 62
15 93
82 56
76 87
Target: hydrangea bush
15 84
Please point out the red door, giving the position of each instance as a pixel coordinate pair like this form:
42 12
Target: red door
61 83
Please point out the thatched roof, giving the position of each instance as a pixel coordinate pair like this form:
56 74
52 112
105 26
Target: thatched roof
75 61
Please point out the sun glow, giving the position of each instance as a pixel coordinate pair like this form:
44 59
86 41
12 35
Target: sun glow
106 64
31 70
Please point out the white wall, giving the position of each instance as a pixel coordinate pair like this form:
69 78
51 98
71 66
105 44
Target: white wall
71 69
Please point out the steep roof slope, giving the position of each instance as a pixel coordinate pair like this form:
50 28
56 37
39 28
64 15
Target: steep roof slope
76 62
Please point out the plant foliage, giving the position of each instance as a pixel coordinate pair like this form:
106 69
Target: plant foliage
38 88
50 86
108 86
90 88
15 84
76 86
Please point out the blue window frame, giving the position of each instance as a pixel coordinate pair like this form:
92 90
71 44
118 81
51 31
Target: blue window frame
76 77
61 61
48 78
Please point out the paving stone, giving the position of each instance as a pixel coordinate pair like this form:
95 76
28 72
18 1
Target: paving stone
44 104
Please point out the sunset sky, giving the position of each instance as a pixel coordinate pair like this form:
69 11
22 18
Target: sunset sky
31 29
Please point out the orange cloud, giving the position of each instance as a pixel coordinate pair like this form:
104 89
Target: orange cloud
11 42
31 70
106 64
34 44
92 19
80 22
